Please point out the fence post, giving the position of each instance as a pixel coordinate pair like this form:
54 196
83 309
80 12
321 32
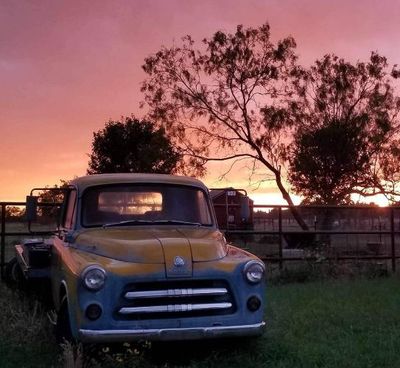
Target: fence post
392 240
3 239
280 238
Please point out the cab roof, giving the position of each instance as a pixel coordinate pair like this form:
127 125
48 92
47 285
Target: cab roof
104 179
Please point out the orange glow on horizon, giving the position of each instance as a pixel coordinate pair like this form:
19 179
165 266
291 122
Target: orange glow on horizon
379 199
274 198
67 67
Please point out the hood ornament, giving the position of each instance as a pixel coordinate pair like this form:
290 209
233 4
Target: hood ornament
179 261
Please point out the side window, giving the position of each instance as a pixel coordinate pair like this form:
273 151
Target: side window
70 211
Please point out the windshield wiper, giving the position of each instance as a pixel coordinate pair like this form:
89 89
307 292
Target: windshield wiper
141 222
177 222
127 222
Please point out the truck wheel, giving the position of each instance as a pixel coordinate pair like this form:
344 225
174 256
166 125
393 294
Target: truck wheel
13 274
63 328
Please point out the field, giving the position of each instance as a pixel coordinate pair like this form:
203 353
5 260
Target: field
346 323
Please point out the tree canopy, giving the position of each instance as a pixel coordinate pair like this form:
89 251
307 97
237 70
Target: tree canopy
14 213
226 99
240 96
327 161
132 145
347 133
52 195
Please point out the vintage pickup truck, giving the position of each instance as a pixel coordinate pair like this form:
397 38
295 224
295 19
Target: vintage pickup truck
140 257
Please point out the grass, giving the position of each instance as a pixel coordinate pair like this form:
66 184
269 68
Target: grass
335 324
26 338
319 324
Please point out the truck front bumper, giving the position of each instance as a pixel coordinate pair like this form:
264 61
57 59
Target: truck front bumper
168 334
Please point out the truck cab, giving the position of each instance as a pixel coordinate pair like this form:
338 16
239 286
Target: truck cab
140 257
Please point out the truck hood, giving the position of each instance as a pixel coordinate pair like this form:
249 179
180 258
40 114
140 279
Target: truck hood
155 245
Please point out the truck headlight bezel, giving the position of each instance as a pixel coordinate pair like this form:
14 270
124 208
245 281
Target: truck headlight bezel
94 277
254 271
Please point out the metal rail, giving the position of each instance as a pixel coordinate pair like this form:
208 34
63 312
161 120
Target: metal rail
4 233
387 212
281 210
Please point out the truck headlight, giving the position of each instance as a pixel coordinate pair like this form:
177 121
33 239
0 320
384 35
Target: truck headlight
254 271
94 277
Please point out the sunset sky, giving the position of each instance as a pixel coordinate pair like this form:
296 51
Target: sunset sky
67 67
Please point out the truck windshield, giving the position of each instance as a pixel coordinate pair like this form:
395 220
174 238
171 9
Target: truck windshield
130 204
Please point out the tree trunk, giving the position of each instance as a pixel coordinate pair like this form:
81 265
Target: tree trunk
292 207
327 224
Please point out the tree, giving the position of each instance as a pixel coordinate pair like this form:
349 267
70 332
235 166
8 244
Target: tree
327 161
226 99
131 145
53 196
346 140
54 193
14 213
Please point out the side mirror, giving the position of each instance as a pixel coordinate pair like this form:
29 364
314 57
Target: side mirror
245 208
31 208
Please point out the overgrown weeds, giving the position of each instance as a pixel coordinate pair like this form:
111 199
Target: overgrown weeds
25 331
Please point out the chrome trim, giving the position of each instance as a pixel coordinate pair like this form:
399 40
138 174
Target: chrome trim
87 270
179 261
172 308
247 267
165 334
171 293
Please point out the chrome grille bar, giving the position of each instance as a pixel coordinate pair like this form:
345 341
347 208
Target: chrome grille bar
171 308
173 293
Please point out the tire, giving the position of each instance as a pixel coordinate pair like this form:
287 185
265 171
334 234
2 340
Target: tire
13 275
63 327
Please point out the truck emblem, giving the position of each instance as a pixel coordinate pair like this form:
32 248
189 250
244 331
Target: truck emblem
179 261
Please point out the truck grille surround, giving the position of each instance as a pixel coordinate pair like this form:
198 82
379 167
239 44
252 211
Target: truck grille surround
175 299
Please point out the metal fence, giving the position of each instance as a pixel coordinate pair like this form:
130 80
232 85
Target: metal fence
335 233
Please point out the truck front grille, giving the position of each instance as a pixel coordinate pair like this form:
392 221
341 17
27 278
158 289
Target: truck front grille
171 299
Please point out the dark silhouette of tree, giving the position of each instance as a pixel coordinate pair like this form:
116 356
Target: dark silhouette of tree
225 100
348 131
14 213
131 145
328 161
54 194
51 195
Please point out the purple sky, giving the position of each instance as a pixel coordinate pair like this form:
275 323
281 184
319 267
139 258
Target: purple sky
66 67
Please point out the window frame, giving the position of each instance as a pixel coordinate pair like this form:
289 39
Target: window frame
143 184
72 192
